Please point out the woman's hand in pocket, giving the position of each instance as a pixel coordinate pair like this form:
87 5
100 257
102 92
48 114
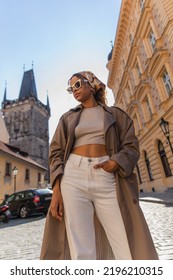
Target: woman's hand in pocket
110 166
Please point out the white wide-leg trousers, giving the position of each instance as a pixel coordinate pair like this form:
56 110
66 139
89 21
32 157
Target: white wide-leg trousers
85 190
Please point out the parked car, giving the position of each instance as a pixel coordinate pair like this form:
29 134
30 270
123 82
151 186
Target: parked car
28 202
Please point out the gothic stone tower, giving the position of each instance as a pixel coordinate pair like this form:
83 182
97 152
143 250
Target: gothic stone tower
26 119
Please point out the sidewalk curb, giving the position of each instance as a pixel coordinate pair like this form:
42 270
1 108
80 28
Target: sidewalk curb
159 201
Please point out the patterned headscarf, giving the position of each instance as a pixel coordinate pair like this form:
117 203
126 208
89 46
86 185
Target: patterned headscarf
92 79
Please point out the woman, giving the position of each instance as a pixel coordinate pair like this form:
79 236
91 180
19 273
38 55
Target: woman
94 212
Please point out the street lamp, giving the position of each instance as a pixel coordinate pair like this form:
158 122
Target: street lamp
164 125
15 171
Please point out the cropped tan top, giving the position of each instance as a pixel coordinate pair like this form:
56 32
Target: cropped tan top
90 127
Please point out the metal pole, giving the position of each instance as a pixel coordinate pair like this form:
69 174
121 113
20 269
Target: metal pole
14 183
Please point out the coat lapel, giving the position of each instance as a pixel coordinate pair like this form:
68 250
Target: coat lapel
109 119
72 122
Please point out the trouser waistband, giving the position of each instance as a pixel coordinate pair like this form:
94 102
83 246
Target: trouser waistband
78 159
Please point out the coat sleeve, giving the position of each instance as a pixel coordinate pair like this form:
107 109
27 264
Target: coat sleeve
128 150
57 150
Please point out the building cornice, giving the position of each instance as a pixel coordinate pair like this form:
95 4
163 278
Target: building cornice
119 40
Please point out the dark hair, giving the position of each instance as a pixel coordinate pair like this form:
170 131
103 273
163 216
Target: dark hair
100 95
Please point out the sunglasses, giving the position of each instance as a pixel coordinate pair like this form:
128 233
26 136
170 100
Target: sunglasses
77 85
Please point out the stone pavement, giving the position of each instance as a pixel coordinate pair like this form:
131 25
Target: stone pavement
159 204
21 239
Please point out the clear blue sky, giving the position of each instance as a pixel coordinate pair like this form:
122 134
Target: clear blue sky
61 37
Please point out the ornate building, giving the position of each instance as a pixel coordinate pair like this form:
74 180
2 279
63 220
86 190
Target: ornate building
141 78
26 119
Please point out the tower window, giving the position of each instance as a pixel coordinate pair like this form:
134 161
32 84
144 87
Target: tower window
41 151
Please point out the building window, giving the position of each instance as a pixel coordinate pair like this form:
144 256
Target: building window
39 177
147 107
164 160
131 38
152 40
41 151
147 103
141 4
167 82
138 70
8 169
27 175
136 124
148 165
139 175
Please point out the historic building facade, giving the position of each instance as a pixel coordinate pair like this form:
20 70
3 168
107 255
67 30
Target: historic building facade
26 119
18 171
141 77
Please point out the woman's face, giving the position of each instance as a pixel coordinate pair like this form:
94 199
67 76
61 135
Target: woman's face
84 93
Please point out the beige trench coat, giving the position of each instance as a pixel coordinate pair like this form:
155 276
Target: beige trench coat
122 146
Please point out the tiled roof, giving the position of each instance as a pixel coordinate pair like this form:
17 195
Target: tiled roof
18 154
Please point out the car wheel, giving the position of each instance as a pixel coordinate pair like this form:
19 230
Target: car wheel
24 212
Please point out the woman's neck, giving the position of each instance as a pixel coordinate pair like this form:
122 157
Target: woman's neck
90 104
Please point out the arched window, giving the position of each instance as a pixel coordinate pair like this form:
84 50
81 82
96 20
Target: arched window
164 160
139 175
148 167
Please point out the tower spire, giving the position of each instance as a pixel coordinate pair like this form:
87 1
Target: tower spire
5 92
28 86
48 105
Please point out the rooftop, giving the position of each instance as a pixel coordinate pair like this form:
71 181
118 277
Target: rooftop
18 154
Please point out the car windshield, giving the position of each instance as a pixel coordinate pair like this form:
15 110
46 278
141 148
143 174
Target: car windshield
10 198
43 191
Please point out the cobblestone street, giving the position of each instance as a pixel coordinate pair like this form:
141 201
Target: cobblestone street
21 239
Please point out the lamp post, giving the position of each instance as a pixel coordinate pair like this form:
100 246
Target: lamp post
15 171
164 125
